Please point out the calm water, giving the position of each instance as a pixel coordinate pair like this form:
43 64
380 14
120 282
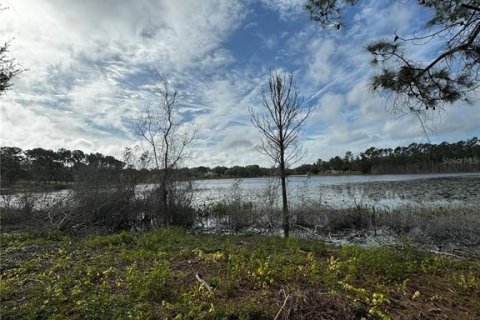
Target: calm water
381 191
386 191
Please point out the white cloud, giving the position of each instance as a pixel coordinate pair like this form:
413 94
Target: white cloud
287 9
85 61
319 65
89 67
379 18
329 108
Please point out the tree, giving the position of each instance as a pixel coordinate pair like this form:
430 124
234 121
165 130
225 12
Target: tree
9 69
417 86
160 129
220 171
11 159
44 166
280 125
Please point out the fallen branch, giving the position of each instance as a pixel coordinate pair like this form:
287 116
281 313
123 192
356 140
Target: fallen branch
283 306
446 254
203 282
304 228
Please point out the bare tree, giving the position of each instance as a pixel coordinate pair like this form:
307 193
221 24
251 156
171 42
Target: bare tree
159 127
281 125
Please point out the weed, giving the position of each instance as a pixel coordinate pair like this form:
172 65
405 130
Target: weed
148 275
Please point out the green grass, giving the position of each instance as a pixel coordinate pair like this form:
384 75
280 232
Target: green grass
153 276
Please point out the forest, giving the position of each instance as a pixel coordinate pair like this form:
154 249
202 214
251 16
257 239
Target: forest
48 166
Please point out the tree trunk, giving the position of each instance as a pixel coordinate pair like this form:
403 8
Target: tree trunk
164 199
286 220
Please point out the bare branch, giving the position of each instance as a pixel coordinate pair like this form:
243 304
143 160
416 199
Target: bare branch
159 127
280 125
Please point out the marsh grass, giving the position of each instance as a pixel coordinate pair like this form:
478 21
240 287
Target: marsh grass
450 227
109 210
100 205
99 202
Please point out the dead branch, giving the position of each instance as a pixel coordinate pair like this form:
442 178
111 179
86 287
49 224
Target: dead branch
282 307
203 282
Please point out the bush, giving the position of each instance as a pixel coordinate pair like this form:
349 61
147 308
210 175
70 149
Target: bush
103 201
330 219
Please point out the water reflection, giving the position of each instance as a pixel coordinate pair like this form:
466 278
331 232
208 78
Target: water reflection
382 191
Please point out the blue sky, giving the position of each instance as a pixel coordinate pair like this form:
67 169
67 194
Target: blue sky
89 73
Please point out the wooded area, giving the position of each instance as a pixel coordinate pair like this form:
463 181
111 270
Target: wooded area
46 166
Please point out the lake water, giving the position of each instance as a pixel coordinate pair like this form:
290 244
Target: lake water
382 191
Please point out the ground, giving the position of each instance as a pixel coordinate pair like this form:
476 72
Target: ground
175 274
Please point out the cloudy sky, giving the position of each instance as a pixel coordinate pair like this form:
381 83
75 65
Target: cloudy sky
89 71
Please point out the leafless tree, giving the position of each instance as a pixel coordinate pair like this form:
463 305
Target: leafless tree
159 127
281 124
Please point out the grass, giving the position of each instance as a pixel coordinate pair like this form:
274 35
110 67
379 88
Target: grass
454 228
174 274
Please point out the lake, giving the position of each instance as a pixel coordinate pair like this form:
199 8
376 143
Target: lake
382 191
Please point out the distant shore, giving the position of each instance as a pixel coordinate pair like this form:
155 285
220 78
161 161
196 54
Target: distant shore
52 186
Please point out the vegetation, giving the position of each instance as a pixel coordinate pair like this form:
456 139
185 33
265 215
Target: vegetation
9 69
450 76
63 166
55 265
453 228
104 202
172 274
112 248
414 158
99 201
43 165
280 124
160 129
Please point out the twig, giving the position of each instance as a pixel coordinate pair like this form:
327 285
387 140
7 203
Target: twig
283 306
203 282
34 280
304 228
447 254
470 7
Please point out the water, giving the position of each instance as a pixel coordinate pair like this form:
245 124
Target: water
382 191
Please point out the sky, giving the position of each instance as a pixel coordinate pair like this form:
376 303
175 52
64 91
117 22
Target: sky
89 72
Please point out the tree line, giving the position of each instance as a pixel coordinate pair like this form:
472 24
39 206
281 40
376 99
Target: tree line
459 156
46 166
49 166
